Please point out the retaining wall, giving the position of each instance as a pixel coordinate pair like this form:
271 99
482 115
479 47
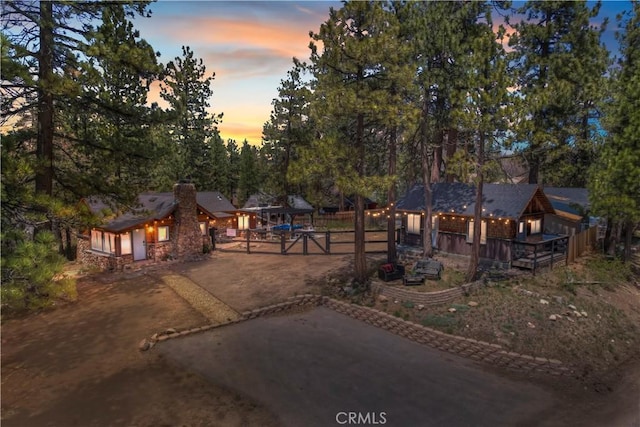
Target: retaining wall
426 298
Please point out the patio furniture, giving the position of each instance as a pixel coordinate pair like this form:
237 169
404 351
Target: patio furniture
388 272
425 268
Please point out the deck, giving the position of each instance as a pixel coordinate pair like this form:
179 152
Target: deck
531 255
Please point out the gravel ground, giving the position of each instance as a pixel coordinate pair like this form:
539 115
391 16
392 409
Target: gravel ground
208 305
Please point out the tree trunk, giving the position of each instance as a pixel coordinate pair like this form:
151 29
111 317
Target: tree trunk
427 247
628 240
477 215
44 145
360 263
391 199
607 236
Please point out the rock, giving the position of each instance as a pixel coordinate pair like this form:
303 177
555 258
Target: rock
144 345
452 310
170 331
571 320
472 304
559 300
396 302
572 307
553 317
420 307
583 313
577 313
382 298
531 325
154 337
544 302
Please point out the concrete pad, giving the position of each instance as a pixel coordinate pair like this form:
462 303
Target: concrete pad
317 367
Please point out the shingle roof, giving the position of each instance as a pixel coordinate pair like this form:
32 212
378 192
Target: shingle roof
156 206
214 202
499 200
150 206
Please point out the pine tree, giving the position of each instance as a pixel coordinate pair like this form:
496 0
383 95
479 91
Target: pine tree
288 128
615 179
249 176
559 62
484 111
348 103
187 89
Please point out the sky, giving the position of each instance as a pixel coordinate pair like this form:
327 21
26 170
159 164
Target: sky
250 46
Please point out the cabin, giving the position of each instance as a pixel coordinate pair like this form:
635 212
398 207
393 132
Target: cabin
161 226
511 213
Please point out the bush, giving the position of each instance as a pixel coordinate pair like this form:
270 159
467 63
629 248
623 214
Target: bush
30 274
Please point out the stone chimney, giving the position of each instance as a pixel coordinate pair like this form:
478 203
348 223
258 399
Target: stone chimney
188 239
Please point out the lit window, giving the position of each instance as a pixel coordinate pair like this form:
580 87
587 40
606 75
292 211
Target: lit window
243 222
109 245
483 232
125 244
203 228
163 233
96 240
536 226
413 224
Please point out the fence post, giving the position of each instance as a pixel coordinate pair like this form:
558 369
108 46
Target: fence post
248 241
327 245
283 244
304 244
535 258
553 249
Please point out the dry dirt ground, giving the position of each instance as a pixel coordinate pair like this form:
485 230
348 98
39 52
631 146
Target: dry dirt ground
79 365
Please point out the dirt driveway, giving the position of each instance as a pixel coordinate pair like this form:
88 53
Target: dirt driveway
246 281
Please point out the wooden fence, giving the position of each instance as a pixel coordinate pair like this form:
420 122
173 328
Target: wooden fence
580 243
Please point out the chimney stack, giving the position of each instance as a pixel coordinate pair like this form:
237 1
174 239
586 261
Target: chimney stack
188 241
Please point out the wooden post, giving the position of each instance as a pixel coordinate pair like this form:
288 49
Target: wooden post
535 258
248 241
283 244
328 242
553 249
304 244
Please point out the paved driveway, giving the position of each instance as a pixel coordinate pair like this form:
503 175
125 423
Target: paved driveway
316 367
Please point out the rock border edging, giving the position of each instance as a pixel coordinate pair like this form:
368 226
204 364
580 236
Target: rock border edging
469 348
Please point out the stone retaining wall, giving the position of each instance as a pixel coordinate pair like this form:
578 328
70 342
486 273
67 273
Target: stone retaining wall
481 351
427 298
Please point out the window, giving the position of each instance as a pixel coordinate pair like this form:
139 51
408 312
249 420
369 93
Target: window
413 224
163 233
536 226
203 228
125 244
243 222
483 232
103 242
96 240
521 227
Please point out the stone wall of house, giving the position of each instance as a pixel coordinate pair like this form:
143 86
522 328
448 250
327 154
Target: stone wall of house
104 262
188 238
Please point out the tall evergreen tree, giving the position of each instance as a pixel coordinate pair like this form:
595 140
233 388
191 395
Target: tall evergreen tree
187 89
249 177
288 128
559 62
485 105
615 179
348 102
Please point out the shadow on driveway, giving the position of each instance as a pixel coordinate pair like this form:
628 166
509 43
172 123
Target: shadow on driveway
316 367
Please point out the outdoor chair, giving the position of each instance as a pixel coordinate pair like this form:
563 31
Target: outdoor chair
389 272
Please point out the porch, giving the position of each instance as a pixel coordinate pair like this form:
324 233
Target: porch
543 251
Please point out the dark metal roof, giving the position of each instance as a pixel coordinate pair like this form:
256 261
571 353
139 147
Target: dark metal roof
499 200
